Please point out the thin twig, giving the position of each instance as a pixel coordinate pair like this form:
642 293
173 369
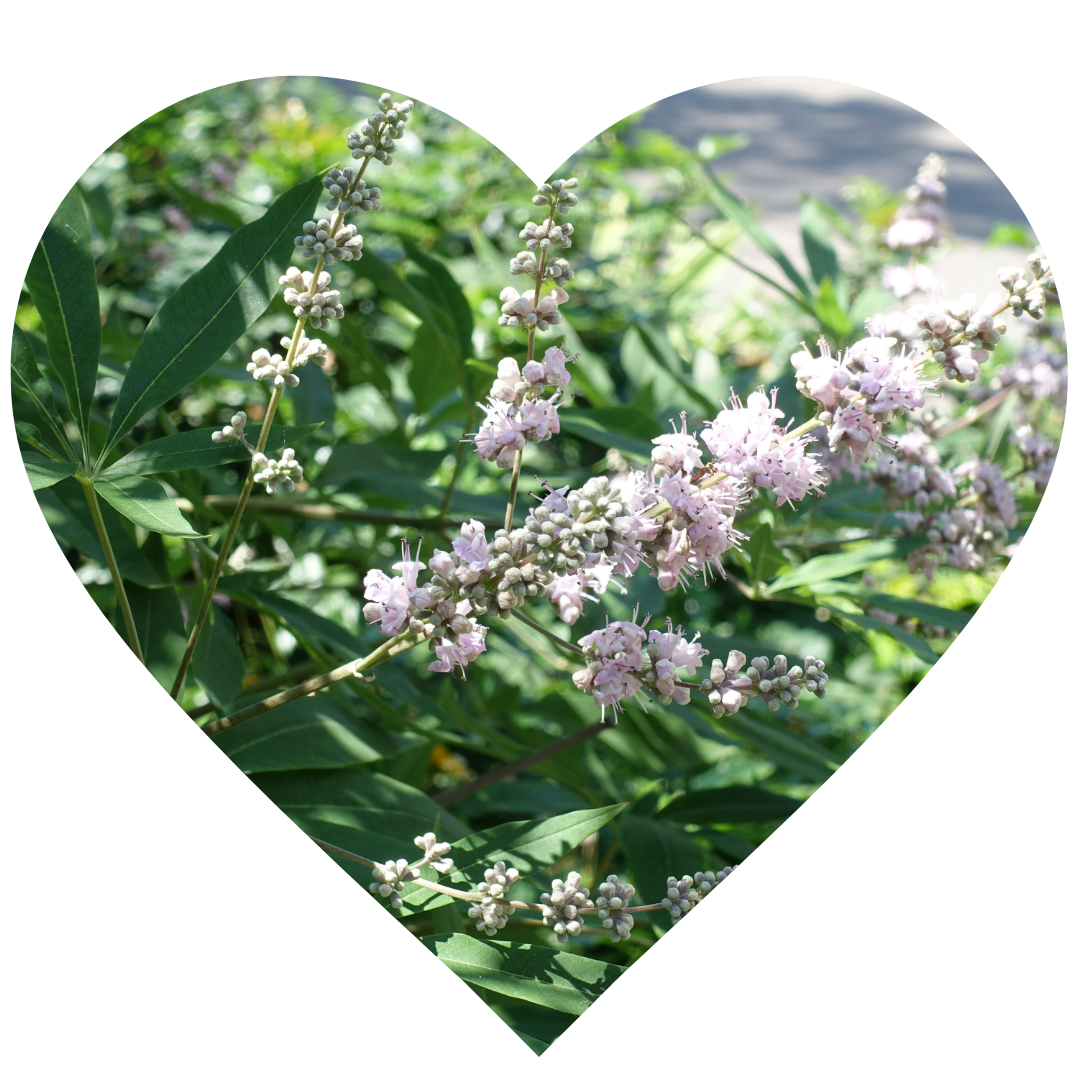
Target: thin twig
110 559
575 649
268 682
512 768
392 647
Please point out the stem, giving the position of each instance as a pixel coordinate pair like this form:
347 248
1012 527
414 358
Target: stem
976 413
391 647
266 683
575 649
503 772
515 476
223 553
110 559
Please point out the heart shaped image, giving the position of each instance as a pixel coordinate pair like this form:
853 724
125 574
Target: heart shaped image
538 550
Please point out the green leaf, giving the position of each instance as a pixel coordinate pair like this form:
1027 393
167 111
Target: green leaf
528 845
542 1026
817 241
67 514
916 644
312 733
196 450
830 312
734 209
218 663
145 502
302 621
44 473
732 805
655 851
160 626
930 614
447 293
367 462
599 426
313 399
556 980
433 372
200 321
62 280
99 207
764 557
797 753
27 376
827 567
535 1045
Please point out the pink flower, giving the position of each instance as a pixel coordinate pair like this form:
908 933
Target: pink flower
524 310
555 361
471 547
567 596
500 435
678 452
390 599
505 386
668 651
614 655
821 378
460 653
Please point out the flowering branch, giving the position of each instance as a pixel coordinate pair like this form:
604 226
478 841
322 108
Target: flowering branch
312 302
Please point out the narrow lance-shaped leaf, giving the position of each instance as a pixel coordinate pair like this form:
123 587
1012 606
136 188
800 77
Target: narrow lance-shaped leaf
209 312
145 502
732 207
197 450
27 376
44 473
63 283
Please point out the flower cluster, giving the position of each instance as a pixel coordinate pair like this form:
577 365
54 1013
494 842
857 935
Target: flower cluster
561 906
615 658
685 892
321 238
747 444
970 532
531 310
378 134
915 472
919 222
860 390
394 873
518 410
1040 371
437 612
1039 453
668 651
612 895
493 909
233 430
310 297
287 471
728 688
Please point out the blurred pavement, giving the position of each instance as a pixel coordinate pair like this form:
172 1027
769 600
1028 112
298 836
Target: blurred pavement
814 135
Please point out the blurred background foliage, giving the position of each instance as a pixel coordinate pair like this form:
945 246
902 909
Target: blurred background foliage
369 765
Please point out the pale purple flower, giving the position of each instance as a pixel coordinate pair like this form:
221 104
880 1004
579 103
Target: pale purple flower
471 546
500 435
460 653
901 281
854 428
821 378
668 651
524 310
679 451
505 387
614 658
390 603
555 361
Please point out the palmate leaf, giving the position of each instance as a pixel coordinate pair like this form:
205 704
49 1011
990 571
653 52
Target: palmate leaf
205 316
62 281
145 502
